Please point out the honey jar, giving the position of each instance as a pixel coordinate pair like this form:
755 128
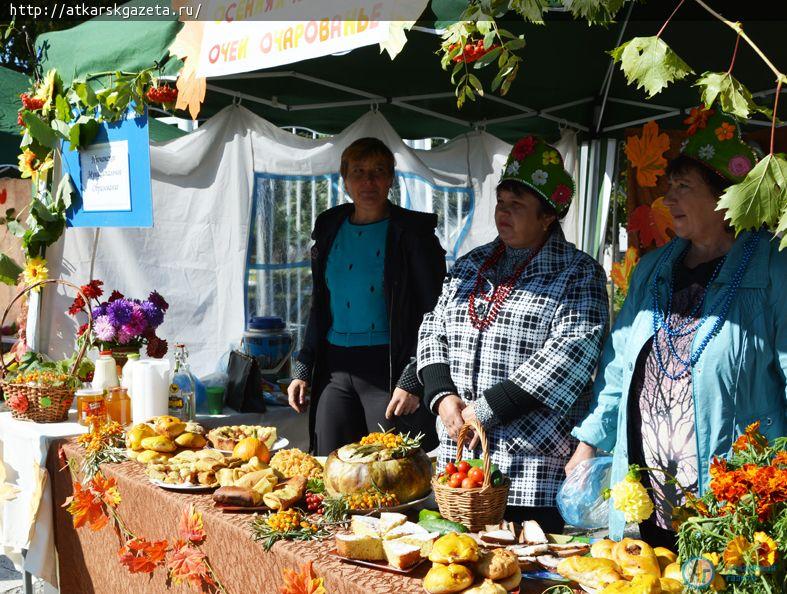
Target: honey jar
90 404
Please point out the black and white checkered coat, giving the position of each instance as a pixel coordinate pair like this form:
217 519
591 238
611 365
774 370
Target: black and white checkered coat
547 339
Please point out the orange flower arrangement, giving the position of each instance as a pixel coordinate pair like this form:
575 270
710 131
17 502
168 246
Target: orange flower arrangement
743 517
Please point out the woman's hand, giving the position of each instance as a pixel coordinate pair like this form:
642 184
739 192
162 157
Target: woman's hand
583 452
296 395
468 414
450 411
402 403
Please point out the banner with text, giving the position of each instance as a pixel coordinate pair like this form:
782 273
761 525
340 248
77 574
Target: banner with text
249 35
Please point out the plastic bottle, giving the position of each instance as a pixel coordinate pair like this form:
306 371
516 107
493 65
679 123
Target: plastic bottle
182 392
128 371
105 375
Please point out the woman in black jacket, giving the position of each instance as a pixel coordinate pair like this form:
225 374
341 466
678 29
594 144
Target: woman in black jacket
376 270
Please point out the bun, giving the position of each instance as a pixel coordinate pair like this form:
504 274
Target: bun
454 548
237 496
446 579
496 564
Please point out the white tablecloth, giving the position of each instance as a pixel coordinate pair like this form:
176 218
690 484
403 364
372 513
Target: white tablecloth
26 520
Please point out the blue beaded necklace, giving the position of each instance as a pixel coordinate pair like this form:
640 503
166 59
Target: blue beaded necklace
722 304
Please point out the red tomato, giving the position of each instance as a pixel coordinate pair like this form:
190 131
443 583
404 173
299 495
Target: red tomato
469 483
455 481
476 474
462 475
450 468
464 466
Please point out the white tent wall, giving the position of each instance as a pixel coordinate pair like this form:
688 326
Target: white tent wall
203 187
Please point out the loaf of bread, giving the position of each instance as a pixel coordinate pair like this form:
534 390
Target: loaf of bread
239 496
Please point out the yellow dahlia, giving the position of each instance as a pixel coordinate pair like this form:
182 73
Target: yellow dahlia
35 271
631 498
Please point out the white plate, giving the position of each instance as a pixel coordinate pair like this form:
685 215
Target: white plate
395 508
183 487
279 444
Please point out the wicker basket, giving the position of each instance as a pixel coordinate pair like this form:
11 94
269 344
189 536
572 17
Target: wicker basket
44 404
475 508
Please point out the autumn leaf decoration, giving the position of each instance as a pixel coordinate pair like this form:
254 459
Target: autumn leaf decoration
646 154
191 87
621 271
651 222
302 582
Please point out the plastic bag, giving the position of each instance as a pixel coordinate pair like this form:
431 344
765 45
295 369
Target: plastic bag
580 498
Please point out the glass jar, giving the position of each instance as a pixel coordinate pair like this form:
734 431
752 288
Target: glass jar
91 405
119 406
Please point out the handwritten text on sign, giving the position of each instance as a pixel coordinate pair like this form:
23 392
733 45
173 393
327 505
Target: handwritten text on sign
105 185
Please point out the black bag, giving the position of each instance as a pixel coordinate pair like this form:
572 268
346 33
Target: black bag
244 384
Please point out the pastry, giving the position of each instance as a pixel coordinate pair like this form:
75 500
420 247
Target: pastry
293 462
389 521
400 554
424 541
496 564
602 549
194 441
596 573
454 548
405 529
237 496
673 571
640 584
364 548
365 526
226 438
445 579
486 587
136 434
512 581
636 557
671 586
148 456
285 495
664 556
158 443
169 426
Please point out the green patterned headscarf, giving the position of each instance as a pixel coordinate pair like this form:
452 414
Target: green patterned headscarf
539 166
714 139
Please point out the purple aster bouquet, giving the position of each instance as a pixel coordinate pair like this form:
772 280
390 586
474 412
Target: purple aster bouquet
124 322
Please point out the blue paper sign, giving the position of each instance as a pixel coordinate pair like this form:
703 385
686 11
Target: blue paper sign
111 176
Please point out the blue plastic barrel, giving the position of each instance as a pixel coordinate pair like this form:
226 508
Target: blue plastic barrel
268 340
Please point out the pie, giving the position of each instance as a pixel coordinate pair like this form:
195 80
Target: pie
227 437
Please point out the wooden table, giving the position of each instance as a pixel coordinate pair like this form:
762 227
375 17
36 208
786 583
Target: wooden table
88 560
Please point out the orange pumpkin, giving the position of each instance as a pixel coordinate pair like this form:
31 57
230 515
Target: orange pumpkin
249 447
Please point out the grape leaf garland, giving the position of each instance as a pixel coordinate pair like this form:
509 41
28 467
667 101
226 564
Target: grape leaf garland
650 63
733 97
761 198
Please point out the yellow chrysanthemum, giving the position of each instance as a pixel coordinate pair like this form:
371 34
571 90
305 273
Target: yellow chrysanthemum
35 271
735 553
766 549
631 498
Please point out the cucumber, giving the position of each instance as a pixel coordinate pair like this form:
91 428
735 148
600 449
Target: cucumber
428 514
441 525
497 476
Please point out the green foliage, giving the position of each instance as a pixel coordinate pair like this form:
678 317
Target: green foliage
733 97
9 270
650 63
595 12
761 198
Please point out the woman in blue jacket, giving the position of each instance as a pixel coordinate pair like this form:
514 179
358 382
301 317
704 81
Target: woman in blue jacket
699 350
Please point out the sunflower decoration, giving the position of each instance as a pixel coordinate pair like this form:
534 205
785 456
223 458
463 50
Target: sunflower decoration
35 271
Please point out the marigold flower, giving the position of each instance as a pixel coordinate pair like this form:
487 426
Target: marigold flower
736 551
630 497
766 549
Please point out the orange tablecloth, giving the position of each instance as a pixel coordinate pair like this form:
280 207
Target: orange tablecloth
88 560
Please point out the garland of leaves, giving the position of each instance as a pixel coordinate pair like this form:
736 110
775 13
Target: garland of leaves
94 504
52 113
647 62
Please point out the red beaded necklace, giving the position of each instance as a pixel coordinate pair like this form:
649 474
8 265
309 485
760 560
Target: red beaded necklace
501 291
